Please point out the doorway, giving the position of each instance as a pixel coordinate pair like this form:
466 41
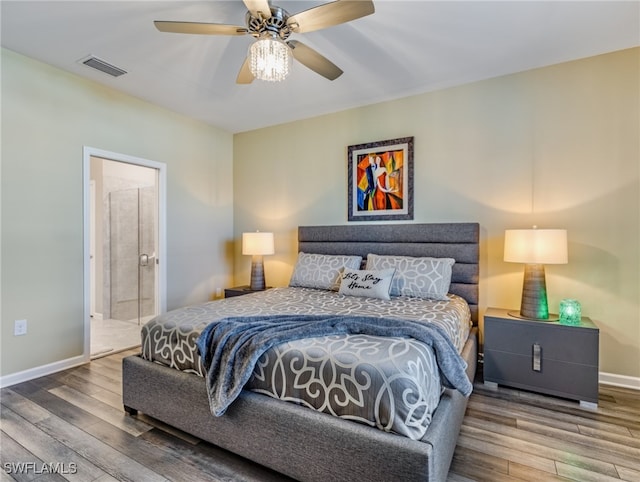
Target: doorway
125 285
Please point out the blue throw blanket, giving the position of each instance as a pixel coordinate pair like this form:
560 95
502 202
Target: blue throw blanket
230 348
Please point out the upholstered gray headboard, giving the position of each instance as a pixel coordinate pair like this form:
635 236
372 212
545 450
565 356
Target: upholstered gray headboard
444 240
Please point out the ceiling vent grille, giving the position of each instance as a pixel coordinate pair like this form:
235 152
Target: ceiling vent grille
102 66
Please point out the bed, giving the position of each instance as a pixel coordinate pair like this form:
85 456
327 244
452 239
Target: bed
166 380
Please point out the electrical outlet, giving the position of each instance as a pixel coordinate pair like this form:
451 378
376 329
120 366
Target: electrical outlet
20 328
218 292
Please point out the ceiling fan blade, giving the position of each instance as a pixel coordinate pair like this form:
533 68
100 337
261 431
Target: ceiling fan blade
245 76
199 28
258 7
329 14
313 60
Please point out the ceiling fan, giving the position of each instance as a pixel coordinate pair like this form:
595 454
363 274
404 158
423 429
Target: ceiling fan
269 56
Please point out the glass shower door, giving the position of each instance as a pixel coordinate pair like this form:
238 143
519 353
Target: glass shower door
132 253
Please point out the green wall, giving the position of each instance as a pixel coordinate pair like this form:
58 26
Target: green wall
556 147
47 117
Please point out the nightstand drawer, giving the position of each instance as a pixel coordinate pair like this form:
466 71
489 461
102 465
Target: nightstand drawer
546 357
563 343
568 380
240 291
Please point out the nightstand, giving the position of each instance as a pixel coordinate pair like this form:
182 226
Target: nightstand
542 356
239 291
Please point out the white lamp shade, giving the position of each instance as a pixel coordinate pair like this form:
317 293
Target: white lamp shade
257 243
535 246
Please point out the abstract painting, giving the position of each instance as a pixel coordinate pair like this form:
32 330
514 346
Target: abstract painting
381 180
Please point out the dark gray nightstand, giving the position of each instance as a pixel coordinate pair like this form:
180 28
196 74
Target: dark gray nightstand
239 291
542 356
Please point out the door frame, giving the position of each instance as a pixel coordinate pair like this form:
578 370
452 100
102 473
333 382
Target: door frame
92 249
161 286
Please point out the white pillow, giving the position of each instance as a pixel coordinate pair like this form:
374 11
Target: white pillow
369 283
321 271
428 278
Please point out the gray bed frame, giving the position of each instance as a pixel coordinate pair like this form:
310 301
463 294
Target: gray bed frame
309 445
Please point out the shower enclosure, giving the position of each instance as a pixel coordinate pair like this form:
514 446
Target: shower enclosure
130 254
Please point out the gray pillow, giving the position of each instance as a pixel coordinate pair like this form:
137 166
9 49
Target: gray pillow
321 271
369 283
420 277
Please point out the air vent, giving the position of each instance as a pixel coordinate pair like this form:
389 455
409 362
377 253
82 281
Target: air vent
102 66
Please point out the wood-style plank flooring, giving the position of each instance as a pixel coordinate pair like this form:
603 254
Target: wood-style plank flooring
509 434
71 426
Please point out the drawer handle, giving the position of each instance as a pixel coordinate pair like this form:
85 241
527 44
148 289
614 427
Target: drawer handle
537 357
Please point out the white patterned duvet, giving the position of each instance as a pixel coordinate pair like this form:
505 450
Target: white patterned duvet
389 383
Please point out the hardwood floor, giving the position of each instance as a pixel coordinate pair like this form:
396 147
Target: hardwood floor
509 434
71 426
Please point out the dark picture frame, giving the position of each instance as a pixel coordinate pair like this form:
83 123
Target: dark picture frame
380 180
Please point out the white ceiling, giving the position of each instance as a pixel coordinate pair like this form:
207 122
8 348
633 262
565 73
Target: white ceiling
404 48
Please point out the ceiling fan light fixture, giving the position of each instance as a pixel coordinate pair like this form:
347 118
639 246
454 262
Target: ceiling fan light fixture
269 58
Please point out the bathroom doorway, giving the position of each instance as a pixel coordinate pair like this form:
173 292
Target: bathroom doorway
126 212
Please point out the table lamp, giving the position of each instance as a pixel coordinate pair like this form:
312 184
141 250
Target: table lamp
257 244
535 248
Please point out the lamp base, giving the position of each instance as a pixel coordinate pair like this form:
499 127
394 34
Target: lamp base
516 314
257 273
534 305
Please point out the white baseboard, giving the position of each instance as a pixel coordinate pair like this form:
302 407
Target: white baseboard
619 380
30 374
